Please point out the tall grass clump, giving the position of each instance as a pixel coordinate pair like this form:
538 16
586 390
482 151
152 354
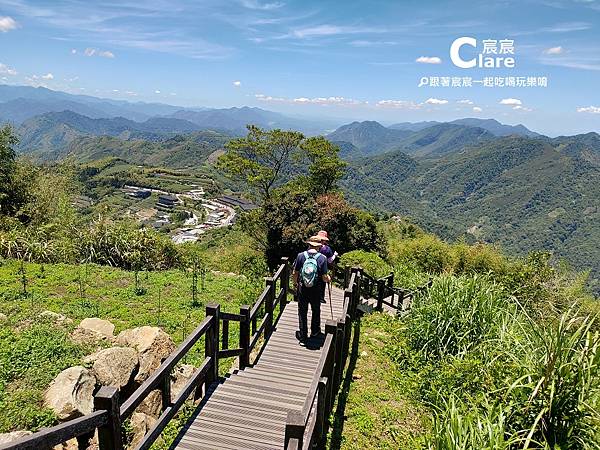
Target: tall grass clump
497 377
454 315
558 396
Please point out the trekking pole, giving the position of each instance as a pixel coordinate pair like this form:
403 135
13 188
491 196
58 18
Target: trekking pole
330 304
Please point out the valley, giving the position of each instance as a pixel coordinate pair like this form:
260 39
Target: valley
472 179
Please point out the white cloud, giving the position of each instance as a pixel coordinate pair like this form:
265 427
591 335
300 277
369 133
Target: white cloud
522 108
133 94
397 104
255 4
96 52
511 101
157 91
324 101
7 24
237 83
48 76
365 43
5 70
331 30
436 101
554 51
464 102
429 60
589 109
477 109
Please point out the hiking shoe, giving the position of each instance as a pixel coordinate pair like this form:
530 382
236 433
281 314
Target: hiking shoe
300 337
323 300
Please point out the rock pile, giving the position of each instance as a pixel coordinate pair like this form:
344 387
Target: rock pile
137 354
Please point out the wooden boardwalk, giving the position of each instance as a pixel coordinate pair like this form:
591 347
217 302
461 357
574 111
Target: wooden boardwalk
248 409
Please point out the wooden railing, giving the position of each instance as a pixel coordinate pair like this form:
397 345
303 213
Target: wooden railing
310 421
304 428
108 415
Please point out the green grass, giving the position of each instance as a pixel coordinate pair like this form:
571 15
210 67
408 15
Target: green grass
380 412
34 351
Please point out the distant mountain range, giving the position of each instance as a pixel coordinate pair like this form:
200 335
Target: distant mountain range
20 103
426 139
471 178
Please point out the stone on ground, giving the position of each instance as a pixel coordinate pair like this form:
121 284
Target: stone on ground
179 378
70 395
140 425
153 346
6 438
93 329
114 366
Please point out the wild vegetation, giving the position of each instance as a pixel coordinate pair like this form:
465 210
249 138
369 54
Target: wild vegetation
499 353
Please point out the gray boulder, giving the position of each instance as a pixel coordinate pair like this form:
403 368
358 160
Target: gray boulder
153 346
6 438
70 395
92 329
114 366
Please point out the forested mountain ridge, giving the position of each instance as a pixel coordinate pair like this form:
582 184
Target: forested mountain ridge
520 192
180 151
368 137
54 131
430 139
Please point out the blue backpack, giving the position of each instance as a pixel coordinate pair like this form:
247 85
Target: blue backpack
310 269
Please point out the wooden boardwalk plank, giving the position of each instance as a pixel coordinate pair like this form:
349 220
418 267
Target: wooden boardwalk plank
248 409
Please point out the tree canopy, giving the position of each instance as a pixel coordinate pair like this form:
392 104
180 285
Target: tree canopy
266 159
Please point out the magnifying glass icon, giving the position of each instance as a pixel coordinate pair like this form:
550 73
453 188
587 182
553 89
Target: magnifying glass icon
424 81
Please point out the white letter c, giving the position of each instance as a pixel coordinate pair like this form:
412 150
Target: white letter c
455 52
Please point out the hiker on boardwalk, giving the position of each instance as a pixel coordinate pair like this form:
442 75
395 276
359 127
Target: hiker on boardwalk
326 251
309 278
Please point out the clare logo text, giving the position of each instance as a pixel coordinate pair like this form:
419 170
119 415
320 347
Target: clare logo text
490 53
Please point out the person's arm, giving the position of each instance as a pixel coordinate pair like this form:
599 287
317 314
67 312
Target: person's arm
326 277
296 273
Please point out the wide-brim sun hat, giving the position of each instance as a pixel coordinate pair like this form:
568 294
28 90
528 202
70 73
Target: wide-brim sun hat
322 235
314 241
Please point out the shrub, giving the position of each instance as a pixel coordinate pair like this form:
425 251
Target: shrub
479 258
372 263
428 253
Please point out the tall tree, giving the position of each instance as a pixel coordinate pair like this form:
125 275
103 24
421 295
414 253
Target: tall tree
8 169
325 166
262 159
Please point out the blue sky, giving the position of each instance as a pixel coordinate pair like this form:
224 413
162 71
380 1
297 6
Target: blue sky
346 60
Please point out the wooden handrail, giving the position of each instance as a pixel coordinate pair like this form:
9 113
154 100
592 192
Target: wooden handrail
49 437
164 370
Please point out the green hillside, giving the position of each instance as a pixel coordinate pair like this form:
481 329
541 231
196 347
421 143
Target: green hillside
521 193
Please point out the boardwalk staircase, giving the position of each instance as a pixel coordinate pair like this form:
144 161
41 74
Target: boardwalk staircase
280 395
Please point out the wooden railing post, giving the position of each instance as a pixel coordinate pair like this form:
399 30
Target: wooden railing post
269 300
320 427
347 275
294 430
244 360
329 367
211 346
340 360
165 391
380 294
285 281
109 435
